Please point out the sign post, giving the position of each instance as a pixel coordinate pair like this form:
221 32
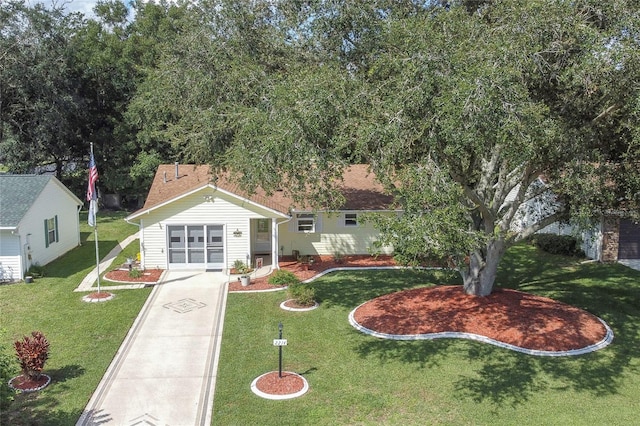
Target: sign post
280 342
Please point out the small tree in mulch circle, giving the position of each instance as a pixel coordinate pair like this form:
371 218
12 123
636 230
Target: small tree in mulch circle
32 353
302 295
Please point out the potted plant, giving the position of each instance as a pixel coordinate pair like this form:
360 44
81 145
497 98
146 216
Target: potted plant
243 269
245 280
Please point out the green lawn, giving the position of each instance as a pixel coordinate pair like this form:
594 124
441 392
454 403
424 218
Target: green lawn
354 379
357 379
83 337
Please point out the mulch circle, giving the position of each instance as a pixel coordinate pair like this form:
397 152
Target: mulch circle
272 386
292 305
24 384
102 296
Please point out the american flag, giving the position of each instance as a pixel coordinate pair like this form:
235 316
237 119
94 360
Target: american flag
93 177
92 195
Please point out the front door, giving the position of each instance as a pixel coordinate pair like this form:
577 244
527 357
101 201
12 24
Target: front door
215 247
195 246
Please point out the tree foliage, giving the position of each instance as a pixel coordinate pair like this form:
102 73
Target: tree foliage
472 113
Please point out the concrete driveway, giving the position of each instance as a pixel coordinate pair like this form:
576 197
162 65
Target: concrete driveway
165 371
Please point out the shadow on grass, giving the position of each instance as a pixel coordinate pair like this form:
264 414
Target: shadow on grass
506 378
420 353
608 291
78 259
65 373
350 289
41 407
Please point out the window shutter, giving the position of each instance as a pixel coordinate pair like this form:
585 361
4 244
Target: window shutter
56 230
318 222
46 233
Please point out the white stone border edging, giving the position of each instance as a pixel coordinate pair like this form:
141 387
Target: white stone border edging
310 308
608 338
267 290
369 268
254 388
30 389
340 268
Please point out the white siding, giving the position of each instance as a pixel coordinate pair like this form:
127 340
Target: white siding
52 202
194 209
334 237
10 268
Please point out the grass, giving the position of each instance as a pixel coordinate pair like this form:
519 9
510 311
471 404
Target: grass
354 378
83 337
357 379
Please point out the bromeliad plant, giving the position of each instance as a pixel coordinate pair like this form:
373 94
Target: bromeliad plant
32 353
241 268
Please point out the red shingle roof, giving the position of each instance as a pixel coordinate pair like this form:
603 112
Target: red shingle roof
360 189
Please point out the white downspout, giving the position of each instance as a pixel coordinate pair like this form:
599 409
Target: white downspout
78 225
141 240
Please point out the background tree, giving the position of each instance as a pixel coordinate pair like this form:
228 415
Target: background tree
41 111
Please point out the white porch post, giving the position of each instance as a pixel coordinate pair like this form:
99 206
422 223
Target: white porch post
274 244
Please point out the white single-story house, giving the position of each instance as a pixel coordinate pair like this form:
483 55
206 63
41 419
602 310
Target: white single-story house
39 222
192 220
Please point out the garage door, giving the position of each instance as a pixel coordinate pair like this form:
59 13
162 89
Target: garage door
629 243
195 246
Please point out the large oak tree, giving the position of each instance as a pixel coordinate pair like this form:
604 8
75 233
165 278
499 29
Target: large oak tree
469 112
469 115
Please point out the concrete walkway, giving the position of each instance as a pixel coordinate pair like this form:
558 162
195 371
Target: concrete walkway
165 371
631 263
92 277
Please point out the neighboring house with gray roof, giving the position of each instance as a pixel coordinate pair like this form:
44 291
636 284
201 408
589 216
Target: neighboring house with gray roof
191 220
39 222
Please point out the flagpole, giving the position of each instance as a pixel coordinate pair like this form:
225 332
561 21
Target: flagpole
92 211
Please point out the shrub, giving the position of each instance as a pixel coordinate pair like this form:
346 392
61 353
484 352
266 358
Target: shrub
36 271
282 277
135 273
32 353
302 294
557 244
6 393
241 267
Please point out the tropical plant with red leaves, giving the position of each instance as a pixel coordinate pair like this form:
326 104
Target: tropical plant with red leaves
32 353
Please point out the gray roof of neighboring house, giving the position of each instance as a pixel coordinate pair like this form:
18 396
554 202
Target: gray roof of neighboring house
17 195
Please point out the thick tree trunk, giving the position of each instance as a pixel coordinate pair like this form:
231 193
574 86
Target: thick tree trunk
480 274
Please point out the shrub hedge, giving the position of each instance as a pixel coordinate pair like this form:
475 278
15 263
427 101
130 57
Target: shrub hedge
557 244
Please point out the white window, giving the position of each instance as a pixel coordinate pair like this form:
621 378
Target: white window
305 222
351 219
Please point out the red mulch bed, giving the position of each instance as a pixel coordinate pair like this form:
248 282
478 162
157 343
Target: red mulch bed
272 384
305 271
101 295
291 303
150 276
508 316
